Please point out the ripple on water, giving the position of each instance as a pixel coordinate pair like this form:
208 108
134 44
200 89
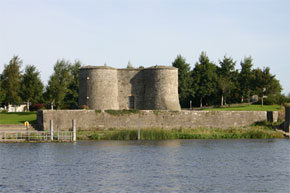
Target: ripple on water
147 166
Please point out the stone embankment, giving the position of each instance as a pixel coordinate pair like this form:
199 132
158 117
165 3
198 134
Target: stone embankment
285 126
94 120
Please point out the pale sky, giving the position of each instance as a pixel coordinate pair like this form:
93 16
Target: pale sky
146 32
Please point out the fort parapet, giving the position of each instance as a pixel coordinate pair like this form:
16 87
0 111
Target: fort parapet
154 88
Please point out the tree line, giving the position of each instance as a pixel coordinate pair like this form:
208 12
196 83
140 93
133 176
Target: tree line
204 85
17 87
211 84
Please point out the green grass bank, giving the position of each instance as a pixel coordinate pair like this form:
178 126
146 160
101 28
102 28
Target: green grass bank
251 132
17 118
246 108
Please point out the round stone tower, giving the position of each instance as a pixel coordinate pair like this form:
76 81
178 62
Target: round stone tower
161 88
98 87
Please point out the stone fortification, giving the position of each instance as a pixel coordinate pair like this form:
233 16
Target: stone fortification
92 120
104 87
98 87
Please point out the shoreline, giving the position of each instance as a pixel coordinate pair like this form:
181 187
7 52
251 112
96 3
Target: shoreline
251 132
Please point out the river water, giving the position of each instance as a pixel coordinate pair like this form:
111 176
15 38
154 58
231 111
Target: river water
146 166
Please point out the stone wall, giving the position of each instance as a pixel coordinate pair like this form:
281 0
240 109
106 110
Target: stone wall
98 87
161 88
92 120
130 83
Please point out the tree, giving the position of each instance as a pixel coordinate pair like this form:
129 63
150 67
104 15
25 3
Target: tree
245 78
58 83
71 98
264 83
184 80
225 77
235 94
10 85
129 65
31 85
2 94
204 78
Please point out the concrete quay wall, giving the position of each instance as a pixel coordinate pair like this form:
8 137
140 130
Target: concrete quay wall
93 120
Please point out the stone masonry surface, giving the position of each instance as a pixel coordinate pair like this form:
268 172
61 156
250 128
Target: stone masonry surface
93 120
103 87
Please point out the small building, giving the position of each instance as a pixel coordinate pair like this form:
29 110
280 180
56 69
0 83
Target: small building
103 87
16 108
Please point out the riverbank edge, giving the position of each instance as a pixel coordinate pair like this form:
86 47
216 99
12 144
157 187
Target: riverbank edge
250 132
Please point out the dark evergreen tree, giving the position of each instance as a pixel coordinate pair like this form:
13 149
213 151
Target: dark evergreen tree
31 85
226 77
235 94
204 78
184 81
2 94
129 65
10 85
245 78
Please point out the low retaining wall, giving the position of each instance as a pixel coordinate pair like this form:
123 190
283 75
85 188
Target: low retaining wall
92 120
287 119
12 127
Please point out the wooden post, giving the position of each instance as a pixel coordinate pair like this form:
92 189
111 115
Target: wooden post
51 129
74 130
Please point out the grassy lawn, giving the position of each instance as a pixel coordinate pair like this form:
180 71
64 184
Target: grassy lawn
17 118
247 108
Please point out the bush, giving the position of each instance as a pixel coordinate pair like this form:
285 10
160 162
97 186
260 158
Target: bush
36 107
275 99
